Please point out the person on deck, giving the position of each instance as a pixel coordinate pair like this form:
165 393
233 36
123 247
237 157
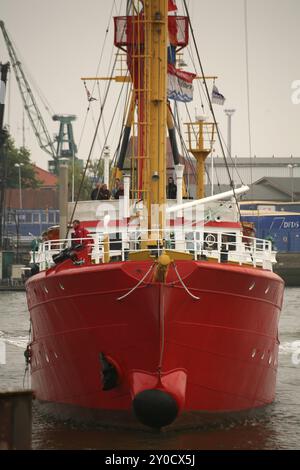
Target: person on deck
80 235
104 193
171 189
120 191
116 188
95 193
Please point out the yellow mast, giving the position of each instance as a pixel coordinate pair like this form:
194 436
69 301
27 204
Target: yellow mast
156 40
200 142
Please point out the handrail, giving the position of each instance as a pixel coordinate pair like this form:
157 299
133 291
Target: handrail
266 245
209 242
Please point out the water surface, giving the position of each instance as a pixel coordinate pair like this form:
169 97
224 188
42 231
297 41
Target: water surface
277 427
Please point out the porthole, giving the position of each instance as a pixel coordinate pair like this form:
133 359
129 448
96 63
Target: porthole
252 286
267 289
61 286
253 353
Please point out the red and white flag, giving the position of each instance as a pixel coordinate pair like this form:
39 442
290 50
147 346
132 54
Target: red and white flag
172 5
180 84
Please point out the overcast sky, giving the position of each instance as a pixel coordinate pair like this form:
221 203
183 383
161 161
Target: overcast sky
59 41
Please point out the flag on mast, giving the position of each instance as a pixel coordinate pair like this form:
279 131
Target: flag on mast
216 96
180 84
172 5
88 94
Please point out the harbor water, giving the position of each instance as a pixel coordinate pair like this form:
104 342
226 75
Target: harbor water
275 427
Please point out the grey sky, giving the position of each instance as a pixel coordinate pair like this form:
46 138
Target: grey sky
61 40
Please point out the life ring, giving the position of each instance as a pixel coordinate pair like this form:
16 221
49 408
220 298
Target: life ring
210 240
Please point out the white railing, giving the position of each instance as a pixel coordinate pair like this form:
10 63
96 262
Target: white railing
207 243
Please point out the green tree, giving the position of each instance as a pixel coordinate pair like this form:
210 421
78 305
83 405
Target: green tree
10 155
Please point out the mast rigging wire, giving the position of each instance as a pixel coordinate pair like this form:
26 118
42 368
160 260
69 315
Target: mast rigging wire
200 86
97 71
109 129
112 120
121 133
92 145
183 144
248 87
210 104
184 150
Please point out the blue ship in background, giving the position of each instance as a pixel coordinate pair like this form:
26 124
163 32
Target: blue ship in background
279 223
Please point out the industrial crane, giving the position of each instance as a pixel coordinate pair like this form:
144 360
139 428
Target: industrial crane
65 146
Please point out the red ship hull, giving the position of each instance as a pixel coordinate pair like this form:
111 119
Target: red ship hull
216 353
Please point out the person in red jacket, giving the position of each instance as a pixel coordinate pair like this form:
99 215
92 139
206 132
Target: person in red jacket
80 235
80 246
